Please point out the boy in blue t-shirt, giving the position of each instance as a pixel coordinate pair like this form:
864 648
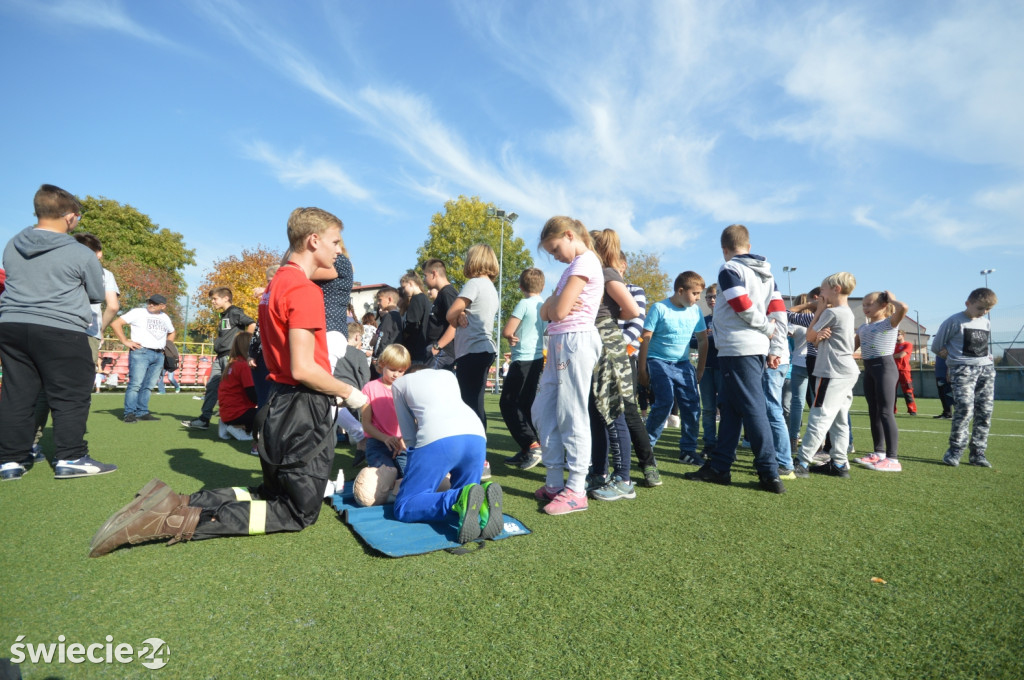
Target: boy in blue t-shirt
664 362
525 333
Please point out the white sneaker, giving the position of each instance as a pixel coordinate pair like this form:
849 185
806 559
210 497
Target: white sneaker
222 431
673 421
336 486
486 474
239 433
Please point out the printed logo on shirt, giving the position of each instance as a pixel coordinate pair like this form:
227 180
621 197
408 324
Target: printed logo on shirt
975 342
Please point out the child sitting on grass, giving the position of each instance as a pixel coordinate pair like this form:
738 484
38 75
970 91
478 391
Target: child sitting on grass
237 392
384 444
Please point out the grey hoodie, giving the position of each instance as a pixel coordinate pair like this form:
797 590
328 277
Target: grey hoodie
51 281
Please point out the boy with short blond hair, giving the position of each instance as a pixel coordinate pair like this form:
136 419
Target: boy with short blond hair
963 341
664 362
743 335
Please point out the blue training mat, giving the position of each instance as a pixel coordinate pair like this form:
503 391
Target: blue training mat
379 529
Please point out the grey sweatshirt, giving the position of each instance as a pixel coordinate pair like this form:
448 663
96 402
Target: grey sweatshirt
51 281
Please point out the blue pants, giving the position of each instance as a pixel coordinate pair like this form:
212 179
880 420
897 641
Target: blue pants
378 454
798 393
742 404
144 367
710 386
677 380
418 498
772 383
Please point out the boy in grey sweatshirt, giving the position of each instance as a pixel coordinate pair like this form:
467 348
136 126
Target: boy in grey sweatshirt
45 313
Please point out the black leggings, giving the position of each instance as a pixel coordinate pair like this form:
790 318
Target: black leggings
471 372
880 377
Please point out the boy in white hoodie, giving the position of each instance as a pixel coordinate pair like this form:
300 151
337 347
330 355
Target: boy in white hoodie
743 330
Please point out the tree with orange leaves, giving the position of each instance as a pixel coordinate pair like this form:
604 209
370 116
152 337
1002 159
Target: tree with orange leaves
243 275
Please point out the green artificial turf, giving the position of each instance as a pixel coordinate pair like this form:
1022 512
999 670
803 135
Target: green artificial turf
687 580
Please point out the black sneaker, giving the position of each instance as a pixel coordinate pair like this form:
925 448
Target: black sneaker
692 459
832 470
517 459
800 471
130 418
148 416
771 483
943 416
196 424
706 473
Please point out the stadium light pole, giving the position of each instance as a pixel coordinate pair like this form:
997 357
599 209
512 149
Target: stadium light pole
510 218
985 273
789 282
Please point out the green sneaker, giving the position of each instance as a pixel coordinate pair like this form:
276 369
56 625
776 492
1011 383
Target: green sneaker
492 519
652 477
467 507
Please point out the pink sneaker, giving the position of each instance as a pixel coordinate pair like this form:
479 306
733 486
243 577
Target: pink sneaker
565 502
869 461
546 493
888 465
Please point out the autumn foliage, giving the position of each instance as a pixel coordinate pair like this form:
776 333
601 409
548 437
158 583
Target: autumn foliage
243 275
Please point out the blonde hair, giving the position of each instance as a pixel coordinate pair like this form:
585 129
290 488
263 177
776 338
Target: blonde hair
394 356
304 222
481 261
607 246
845 280
557 226
882 297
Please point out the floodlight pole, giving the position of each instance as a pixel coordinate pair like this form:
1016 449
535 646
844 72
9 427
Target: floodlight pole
510 218
985 273
789 282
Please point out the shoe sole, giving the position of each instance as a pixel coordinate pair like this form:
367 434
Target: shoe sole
121 518
77 475
470 529
493 496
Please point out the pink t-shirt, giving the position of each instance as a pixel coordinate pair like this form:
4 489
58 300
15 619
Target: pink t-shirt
588 267
383 407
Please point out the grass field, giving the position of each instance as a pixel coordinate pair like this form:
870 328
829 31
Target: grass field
688 580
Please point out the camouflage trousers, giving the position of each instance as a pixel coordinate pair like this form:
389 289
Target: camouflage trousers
613 377
973 393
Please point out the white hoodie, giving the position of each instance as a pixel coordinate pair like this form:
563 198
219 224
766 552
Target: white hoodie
750 317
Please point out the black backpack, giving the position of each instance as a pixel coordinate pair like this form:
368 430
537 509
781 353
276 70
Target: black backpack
170 356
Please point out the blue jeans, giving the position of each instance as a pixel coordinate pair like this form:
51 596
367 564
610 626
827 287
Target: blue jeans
378 454
677 380
772 382
798 392
143 369
710 386
160 382
742 404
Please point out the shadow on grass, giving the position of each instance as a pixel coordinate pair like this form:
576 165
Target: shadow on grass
211 474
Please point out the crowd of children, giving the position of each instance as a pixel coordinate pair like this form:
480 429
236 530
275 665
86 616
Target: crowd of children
582 359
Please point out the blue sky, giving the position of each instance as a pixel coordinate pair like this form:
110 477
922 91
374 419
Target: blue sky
876 137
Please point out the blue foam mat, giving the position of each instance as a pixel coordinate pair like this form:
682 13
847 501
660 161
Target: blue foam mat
379 529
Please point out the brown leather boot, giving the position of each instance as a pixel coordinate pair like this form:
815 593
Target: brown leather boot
168 516
151 494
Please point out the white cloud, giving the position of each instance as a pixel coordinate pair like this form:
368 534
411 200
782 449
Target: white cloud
103 14
296 170
860 216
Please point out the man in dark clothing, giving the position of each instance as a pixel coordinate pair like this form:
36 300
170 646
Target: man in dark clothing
417 319
45 314
232 321
440 333
389 325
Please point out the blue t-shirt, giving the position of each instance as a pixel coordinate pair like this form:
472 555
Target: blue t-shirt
672 327
530 331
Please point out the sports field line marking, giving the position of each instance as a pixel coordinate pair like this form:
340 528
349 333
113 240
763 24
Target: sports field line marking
944 433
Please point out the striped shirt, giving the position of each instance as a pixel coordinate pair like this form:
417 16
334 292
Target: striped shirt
632 329
877 339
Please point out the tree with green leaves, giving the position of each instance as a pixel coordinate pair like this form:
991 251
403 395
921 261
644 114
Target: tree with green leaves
644 269
464 223
144 258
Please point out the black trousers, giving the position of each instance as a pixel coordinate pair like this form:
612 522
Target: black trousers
296 454
471 372
517 395
58 362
